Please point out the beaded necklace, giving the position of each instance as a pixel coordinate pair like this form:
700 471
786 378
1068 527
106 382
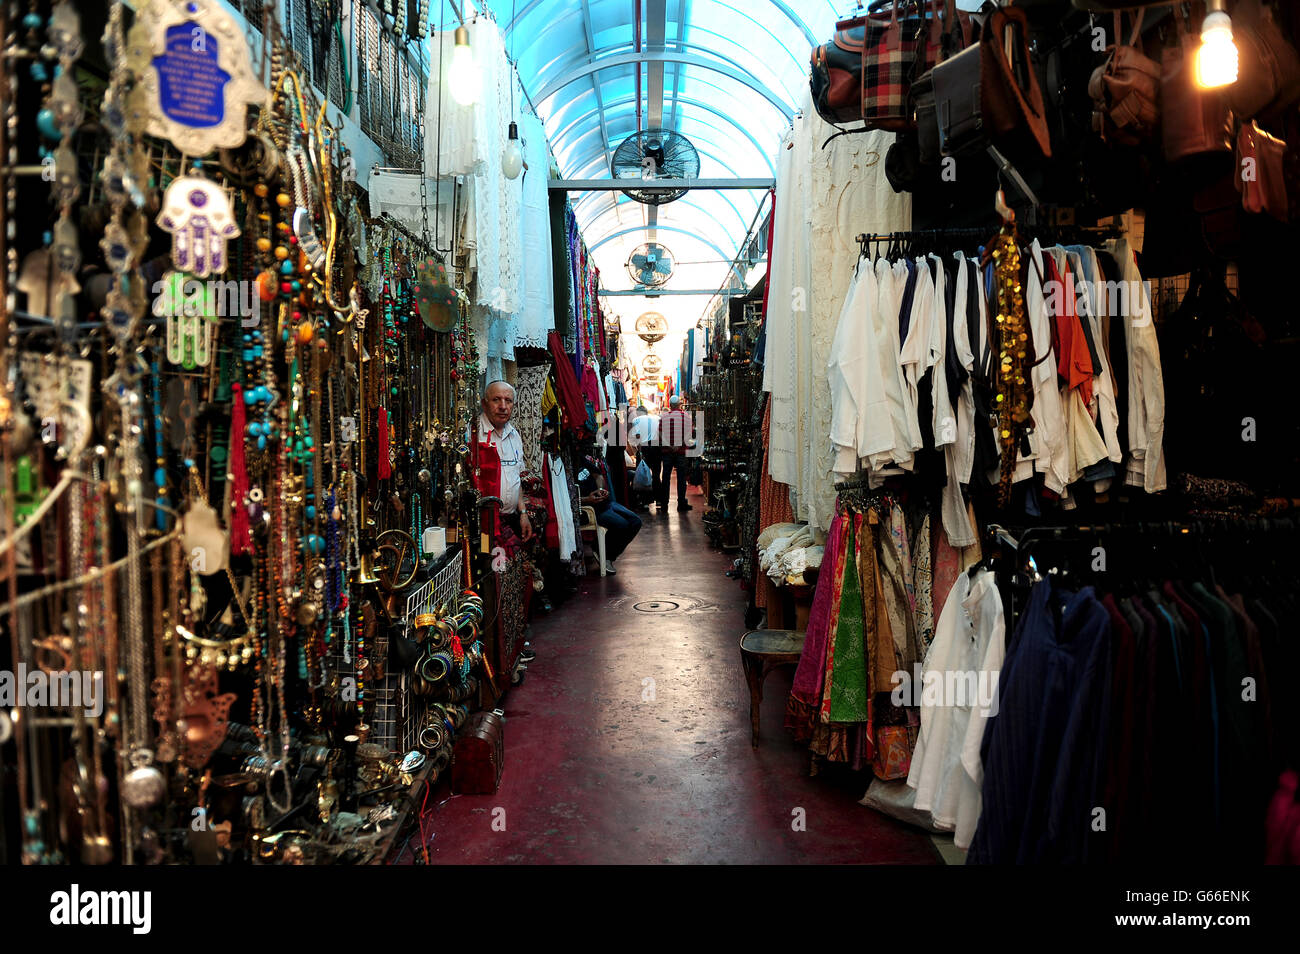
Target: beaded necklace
160 458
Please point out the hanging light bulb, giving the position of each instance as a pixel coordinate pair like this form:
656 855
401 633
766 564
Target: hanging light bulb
512 158
1216 60
463 74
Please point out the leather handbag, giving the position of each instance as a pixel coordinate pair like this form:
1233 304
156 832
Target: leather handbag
1193 120
1125 90
1268 79
1260 174
959 113
927 120
989 91
478 756
865 71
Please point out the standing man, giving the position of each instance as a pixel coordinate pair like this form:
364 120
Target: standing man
644 434
674 430
495 430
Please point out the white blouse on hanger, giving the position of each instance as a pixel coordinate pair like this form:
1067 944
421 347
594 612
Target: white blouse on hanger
562 506
946 770
860 416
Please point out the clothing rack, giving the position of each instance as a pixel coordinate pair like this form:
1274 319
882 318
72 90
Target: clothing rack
874 238
1025 571
1048 234
1197 527
1065 234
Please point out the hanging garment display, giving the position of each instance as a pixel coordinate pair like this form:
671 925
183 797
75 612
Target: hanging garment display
531 385
537 311
831 194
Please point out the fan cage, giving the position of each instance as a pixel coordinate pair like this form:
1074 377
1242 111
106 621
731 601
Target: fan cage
681 161
646 274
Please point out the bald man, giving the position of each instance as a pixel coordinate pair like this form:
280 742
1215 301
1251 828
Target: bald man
494 428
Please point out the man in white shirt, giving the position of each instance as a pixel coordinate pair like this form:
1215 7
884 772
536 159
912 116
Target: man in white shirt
494 428
643 436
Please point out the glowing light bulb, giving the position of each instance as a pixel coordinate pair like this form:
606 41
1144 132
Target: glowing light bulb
463 74
1216 60
512 158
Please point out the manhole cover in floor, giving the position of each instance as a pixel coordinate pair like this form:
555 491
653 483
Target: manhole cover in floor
656 606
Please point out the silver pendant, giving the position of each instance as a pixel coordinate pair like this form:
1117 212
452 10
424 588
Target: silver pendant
143 786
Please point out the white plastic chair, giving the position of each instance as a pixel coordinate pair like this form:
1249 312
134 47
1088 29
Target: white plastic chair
589 523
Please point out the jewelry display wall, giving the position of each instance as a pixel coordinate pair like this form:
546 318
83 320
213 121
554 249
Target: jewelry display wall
232 410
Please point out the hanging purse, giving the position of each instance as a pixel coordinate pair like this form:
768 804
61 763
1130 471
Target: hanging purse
1125 90
1193 120
990 91
1268 78
1260 174
865 71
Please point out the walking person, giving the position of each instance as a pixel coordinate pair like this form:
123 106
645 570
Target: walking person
644 435
674 433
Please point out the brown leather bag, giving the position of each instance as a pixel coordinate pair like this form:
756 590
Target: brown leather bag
1193 120
1268 79
479 755
1011 95
990 91
1125 90
1260 175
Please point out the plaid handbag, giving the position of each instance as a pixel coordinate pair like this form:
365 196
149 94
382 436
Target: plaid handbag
866 71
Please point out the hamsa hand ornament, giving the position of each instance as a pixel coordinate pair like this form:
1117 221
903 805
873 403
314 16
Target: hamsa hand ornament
194 73
197 213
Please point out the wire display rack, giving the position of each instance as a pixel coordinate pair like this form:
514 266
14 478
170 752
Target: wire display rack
397 714
442 590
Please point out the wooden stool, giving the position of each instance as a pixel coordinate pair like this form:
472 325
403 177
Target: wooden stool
761 651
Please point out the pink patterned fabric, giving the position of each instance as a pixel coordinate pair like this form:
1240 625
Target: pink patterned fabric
810 676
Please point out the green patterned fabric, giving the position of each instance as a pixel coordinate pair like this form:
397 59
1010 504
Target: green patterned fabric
849 679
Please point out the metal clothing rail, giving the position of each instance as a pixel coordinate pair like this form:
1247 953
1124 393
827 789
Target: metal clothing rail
1194 526
1059 234
869 238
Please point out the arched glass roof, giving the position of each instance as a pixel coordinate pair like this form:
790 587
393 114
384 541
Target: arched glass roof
727 74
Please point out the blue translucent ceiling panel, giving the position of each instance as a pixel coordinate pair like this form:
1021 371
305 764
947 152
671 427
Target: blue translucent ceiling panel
733 72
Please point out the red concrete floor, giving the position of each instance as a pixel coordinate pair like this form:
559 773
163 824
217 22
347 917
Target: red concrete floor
599 769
